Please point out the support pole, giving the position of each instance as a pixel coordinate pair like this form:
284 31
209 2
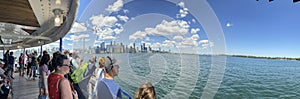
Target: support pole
41 50
60 44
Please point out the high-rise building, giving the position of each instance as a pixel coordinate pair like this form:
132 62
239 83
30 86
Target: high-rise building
102 47
134 51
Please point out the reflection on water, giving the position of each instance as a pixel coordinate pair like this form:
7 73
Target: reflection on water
243 78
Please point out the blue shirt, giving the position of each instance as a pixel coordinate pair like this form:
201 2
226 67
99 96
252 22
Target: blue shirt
108 89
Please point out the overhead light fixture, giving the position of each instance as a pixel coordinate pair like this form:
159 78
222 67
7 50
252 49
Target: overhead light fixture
6 40
58 17
58 2
19 46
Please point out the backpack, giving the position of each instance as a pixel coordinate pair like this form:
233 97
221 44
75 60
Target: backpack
78 74
33 61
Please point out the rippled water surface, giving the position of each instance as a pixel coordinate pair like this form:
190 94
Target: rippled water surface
176 75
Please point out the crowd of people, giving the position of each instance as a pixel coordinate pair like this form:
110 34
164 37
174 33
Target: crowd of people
64 76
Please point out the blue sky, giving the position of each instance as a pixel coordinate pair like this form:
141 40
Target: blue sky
250 27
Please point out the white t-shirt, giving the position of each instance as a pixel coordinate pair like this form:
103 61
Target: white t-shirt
100 73
74 63
1 71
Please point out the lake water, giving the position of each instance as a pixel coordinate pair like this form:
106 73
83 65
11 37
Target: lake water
186 76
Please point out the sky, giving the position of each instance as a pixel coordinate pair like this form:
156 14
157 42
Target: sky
239 27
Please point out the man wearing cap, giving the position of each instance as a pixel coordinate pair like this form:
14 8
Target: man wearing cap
107 88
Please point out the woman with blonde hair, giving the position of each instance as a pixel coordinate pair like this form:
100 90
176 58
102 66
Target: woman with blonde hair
146 91
100 71
99 75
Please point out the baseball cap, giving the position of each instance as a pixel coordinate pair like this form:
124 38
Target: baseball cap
109 63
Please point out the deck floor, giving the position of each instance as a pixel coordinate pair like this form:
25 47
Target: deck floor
25 89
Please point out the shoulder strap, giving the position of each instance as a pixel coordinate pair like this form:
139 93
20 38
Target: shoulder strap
126 94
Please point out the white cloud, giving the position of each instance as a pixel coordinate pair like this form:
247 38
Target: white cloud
118 30
211 44
51 45
101 20
132 18
87 40
147 44
126 11
181 46
165 28
78 27
138 35
183 11
115 7
189 42
195 37
178 38
123 18
193 20
70 44
118 24
181 4
130 45
76 38
205 44
169 28
107 33
229 24
168 43
109 38
203 41
156 45
106 26
147 38
67 38
195 30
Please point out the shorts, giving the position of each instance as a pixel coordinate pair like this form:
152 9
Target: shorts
10 66
21 66
33 68
41 85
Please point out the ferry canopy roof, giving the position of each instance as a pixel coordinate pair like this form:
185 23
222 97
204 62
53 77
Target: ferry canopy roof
31 23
